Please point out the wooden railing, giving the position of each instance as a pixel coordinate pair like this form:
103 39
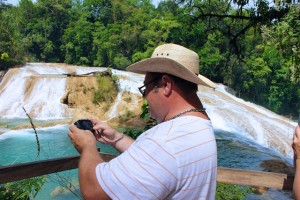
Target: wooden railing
225 175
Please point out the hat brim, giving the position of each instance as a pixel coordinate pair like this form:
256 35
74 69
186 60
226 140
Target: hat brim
166 65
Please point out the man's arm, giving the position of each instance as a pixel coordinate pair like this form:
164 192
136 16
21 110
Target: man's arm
296 186
89 185
85 143
296 147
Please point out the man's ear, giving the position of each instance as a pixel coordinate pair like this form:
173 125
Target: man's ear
167 85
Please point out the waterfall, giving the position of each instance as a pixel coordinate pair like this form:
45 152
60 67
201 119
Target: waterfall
128 82
232 114
39 88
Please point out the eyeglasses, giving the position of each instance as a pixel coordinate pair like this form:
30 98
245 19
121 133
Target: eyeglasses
143 88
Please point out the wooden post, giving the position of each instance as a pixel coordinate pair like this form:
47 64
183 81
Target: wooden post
255 178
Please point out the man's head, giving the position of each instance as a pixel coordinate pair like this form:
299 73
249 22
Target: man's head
155 80
175 60
172 76
166 93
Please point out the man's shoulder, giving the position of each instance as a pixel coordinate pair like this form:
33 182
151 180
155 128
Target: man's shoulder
191 122
178 126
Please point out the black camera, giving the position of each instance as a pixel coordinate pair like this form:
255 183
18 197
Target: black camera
85 124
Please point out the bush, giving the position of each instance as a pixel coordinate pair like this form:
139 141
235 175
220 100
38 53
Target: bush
22 190
107 90
121 62
231 192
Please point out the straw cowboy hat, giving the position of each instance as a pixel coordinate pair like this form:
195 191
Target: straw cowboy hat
175 60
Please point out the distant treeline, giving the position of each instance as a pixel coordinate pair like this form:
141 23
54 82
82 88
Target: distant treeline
253 49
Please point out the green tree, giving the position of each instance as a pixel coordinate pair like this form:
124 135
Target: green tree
116 43
43 26
11 50
211 57
285 37
77 42
257 82
281 51
234 23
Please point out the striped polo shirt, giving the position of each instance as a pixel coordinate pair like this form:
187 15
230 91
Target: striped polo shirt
176 159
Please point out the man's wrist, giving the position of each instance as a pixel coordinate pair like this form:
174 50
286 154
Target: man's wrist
115 140
120 137
90 147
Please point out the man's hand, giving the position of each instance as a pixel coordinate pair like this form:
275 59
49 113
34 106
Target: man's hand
107 135
85 143
81 139
104 133
296 142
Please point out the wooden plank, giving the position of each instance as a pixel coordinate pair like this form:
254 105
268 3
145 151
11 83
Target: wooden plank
225 175
255 178
38 168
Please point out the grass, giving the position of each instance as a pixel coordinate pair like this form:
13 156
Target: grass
107 90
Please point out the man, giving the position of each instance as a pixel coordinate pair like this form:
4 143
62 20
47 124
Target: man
177 159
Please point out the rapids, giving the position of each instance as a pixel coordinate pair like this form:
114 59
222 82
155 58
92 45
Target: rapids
39 88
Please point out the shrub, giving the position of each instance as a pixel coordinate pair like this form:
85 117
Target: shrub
22 190
107 90
232 192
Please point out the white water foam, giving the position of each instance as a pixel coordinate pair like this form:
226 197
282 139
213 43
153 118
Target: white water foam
39 95
232 114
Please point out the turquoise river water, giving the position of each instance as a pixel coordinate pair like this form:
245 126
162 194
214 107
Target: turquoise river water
18 146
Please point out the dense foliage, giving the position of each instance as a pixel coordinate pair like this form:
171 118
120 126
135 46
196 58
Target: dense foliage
252 48
22 190
232 192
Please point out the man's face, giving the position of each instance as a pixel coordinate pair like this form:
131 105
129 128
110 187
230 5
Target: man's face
147 83
152 95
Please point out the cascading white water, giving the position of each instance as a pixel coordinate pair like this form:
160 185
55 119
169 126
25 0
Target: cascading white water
39 95
40 87
232 114
128 82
